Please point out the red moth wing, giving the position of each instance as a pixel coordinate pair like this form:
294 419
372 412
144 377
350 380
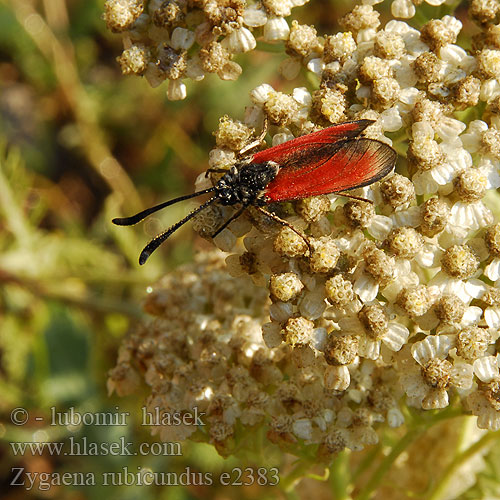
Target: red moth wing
330 168
281 153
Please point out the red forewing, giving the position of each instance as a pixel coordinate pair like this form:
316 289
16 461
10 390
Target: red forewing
330 168
283 152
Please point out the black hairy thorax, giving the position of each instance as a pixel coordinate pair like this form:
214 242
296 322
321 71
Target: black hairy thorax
245 183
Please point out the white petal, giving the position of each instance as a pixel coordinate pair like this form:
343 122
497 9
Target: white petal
254 17
475 288
390 119
396 336
225 240
261 93
443 173
271 334
350 324
194 69
470 215
395 417
456 154
450 286
471 316
413 383
424 183
429 256
365 35
391 291
312 304
493 177
433 346
479 247
472 138
202 181
462 375
452 23
282 137
452 54
336 378
407 98
176 90
363 92
489 89
403 73
316 66
403 9
400 28
280 311
486 369
276 28
302 428
240 40
182 39
302 96
492 270
411 217
318 339
448 128
435 399
369 349
422 130
380 227
492 317
366 288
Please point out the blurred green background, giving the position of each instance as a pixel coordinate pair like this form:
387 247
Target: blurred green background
79 145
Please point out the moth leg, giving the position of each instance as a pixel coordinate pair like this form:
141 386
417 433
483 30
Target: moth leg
353 197
233 217
287 224
257 141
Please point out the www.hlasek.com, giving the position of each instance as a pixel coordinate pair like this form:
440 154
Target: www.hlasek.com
237 476
84 447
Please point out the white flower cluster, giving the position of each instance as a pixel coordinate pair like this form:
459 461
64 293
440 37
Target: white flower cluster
395 301
186 39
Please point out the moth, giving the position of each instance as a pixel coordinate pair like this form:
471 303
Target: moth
332 160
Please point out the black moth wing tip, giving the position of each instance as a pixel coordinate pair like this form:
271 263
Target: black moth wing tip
387 158
366 122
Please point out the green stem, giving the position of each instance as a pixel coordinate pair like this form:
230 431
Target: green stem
300 470
368 460
376 478
340 477
420 424
441 486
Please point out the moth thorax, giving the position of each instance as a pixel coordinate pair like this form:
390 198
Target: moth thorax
245 184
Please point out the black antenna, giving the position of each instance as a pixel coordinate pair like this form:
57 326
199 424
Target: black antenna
158 240
134 219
